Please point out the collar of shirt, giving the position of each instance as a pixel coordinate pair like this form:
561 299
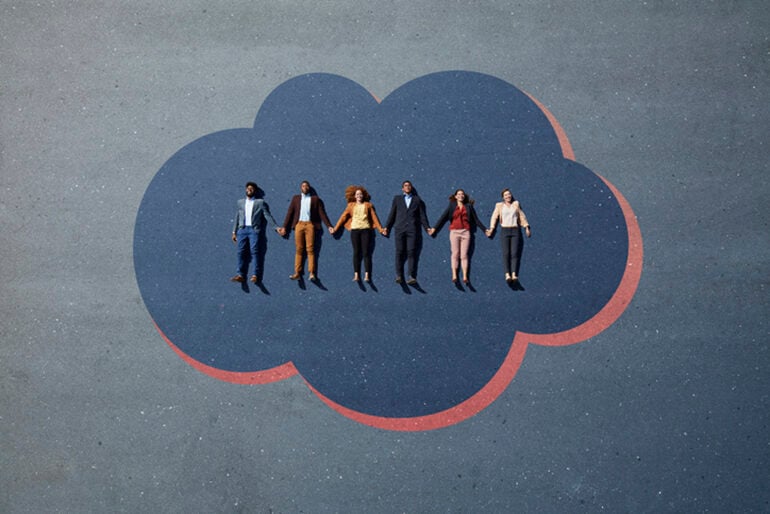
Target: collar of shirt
304 208
248 209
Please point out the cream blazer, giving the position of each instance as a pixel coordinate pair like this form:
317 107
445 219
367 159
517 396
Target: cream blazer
497 215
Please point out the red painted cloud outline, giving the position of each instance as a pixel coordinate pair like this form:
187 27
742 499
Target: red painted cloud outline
510 366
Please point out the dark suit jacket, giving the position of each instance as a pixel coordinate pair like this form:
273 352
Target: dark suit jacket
407 220
259 215
473 218
317 213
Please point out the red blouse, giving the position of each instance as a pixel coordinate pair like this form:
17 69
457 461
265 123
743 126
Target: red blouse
460 219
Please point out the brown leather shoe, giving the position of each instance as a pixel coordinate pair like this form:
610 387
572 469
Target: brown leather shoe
237 278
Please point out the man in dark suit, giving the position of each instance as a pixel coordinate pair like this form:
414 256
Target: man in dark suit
407 213
251 219
306 212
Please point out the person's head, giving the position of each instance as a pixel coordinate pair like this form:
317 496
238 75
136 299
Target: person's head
507 195
406 187
305 187
352 194
460 196
251 189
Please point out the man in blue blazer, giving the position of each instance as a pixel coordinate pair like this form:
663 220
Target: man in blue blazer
407 213
251 219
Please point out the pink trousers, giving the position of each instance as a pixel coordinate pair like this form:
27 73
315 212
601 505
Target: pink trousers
460 241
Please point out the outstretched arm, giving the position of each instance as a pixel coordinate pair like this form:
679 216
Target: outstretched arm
476 218
343 218
391 217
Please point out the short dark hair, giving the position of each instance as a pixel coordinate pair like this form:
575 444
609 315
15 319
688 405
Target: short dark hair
406 182
252 184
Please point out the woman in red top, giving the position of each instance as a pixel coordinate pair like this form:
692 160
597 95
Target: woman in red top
463 222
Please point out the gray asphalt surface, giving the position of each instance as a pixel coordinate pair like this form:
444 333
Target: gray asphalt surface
668 410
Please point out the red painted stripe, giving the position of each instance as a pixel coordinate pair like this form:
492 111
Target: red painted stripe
238 377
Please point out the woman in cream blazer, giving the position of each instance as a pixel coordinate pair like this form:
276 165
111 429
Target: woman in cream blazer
512 219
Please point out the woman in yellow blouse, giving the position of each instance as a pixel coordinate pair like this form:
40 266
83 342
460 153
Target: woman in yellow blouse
511 218
360 219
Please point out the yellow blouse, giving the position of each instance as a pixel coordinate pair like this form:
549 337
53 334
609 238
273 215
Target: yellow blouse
360 218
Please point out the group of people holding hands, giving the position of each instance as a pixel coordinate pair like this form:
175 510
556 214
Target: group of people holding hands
406 220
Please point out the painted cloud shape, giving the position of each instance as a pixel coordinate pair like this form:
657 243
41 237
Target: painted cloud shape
385 358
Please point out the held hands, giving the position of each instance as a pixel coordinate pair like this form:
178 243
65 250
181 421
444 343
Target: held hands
331 230
430 231
384 232
281 231
489 232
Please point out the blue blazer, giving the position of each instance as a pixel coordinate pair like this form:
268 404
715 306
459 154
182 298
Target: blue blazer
407 219
259 215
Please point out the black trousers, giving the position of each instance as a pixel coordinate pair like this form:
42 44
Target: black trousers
361 239
512 245
408 246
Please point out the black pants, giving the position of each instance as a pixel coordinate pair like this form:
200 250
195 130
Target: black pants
512 244
408 246
361 239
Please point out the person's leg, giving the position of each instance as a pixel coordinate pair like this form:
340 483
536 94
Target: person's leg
253 237
242 240
400 244
505 242
312 266
454 258
465 243
299 244
413 241
366 249
259 265
355 241
517 243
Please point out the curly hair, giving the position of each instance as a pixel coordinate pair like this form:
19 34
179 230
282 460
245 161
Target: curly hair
350 193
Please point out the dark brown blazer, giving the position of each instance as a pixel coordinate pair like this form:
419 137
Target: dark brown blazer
317 213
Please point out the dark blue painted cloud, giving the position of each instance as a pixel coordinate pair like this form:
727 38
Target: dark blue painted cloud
382 352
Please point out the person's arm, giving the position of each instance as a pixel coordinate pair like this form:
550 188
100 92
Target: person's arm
444 217
343 218
285 229
322 213
374 219
493 221
476 218
237 222
523 220
391 217
424 218
268 215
